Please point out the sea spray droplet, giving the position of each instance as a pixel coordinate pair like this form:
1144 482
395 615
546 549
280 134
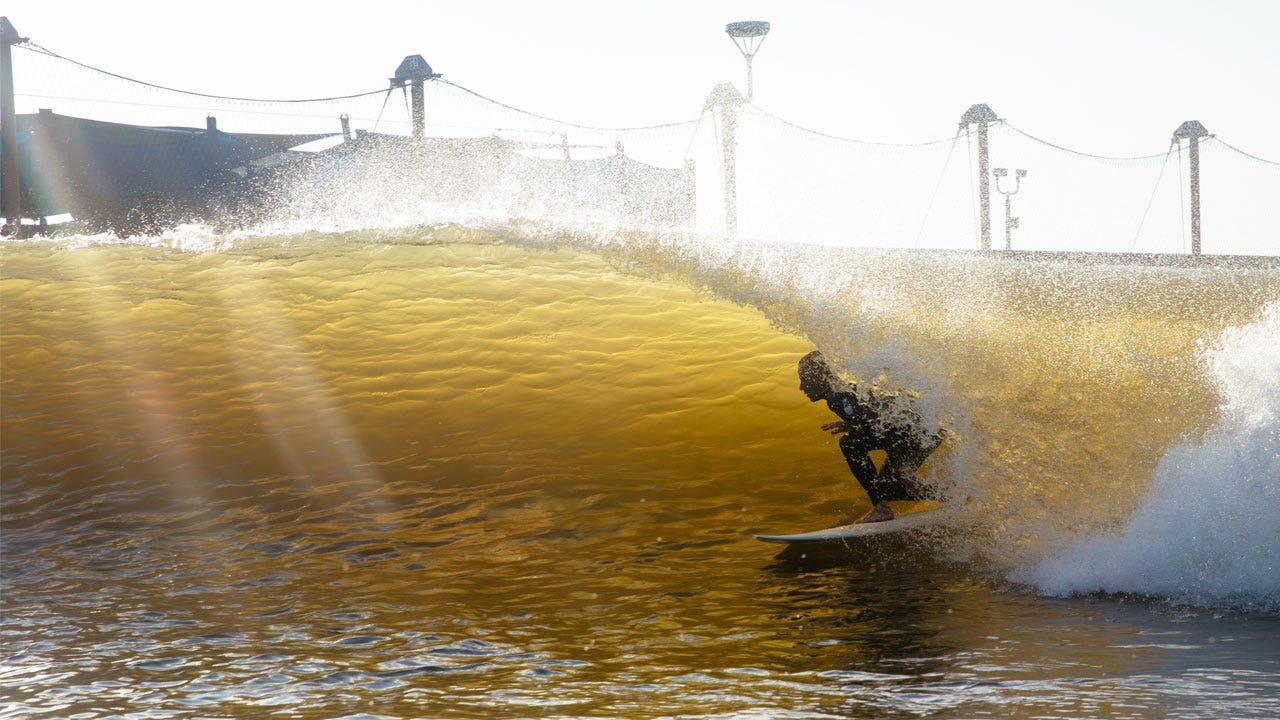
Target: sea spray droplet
1209 529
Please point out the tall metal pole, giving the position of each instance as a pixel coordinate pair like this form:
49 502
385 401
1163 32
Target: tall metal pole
1195 196
1010 222
1192 130
415 71
982 115
11 183
727 98
418 97
984 186
730 115
748 36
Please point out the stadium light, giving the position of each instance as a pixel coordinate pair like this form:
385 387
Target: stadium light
748 36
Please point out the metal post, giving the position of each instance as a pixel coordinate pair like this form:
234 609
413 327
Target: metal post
1195 196
12 182
419 99
730 115
1010 222
1192 130
691 185
748 36
415 71
984 187
726 97
983 115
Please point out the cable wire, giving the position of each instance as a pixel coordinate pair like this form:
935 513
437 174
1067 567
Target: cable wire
578 126
1029 136
693 136
973 193
1182 198
232 111
937 186
1151 200
1251 156
40 49
765 113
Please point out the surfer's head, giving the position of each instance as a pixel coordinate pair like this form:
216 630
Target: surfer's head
815 376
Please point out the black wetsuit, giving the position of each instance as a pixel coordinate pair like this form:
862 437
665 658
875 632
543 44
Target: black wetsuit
906 444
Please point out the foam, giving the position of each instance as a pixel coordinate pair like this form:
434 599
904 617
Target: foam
1208 531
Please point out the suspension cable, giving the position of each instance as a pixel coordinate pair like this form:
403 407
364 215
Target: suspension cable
766 114
693 136
937 186
1251 156
40 49
1182 199
544 118
385 98
127 103
973 192
1029 136
1151 200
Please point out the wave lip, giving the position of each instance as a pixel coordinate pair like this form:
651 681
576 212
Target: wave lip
1208 532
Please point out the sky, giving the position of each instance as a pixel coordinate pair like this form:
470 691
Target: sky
1106 77
1110 77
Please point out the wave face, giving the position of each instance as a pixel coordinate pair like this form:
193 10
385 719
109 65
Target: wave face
148 382
1127 412
1130 410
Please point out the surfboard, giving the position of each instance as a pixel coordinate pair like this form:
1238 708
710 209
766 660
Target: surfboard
917 515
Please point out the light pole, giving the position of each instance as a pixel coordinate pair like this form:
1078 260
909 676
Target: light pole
1192 131
982 115
748 35
413 71
9 180
726 97
1010 222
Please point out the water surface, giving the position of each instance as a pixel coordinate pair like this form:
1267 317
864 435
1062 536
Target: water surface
435 475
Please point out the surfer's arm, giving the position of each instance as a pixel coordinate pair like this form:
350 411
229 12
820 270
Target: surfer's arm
853 414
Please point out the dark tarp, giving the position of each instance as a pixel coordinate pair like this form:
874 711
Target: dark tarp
101 171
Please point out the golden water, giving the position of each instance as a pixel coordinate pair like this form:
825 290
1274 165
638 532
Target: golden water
434 474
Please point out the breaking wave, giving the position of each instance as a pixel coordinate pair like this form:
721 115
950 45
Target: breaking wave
1208 530
1127 413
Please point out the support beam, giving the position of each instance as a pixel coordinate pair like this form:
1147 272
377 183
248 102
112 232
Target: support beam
11 182
727 98
1192 131
982 115
415 71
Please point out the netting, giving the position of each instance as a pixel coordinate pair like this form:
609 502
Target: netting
790 183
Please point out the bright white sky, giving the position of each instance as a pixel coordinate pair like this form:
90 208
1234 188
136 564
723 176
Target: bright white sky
1112 77
1107 77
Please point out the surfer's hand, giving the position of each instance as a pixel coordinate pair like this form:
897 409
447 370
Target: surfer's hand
835 428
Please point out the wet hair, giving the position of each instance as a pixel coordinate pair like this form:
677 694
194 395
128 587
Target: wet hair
814 366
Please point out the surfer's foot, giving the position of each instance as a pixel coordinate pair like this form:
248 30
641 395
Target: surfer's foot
878 513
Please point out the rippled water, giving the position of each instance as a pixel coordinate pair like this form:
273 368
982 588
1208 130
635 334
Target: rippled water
444 476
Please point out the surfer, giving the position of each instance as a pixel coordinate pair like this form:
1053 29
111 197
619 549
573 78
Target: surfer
871 424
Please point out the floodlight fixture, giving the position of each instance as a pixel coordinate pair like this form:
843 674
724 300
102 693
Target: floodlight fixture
1010 222
748 36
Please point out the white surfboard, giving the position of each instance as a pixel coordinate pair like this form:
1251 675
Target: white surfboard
923 514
